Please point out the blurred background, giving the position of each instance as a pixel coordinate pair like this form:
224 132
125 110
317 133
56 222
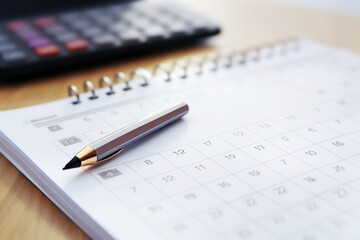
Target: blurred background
351 7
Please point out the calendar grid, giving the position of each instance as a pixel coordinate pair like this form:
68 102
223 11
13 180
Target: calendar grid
313 195
339 182
259 191
199 184
265 175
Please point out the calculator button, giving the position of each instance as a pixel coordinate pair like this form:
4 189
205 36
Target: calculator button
44 22
129 16
28 32
117 14
80 25
47 51
77 45
105 20
67 36
119 27
38 42
30 36
131 37
91 32
7 47
165 20
95 13
105 41
55 29
141 23
17 25
14 57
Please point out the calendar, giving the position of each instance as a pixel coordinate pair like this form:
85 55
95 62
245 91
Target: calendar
269 150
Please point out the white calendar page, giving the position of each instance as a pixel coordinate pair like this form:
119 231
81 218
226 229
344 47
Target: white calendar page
269 150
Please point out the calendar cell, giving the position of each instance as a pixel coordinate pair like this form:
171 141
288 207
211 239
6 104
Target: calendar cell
83 124
315 182
287 194
316 156
160 212
185 228
139 193
52 129
263 151
197 200
355 116
72 144
288 166
356 184
115 116
320 112
290 142
294 121
314 210
151 166
213 146
183 155
342 147
315 233
241 137
355 161
222 218
235 161
248 232
316 133
116 177
139 109
342 171
260 177
343 125
283 223
343 227
343 197
229 188
267 129
355 136
346 105
205 171
256 206
99 133
173 182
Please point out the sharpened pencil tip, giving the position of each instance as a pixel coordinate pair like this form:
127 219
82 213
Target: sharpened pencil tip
74 163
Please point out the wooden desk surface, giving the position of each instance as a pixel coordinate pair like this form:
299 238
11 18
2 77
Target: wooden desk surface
26 213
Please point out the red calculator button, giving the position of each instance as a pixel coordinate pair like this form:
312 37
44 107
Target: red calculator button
17 25
47 51
77 45
44 22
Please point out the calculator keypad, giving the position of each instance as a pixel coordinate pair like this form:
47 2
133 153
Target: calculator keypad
117 26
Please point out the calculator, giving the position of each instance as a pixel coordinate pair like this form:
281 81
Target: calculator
70 38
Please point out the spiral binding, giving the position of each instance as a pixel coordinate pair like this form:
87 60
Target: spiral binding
206 62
